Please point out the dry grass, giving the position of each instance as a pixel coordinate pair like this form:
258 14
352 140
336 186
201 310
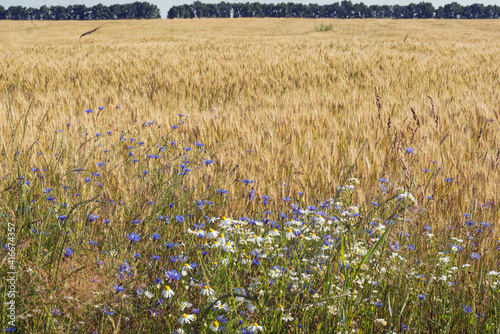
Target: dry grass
303 101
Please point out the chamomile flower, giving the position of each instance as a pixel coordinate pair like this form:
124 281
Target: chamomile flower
186 319
185 305
286 318
207 291
168 292
255 238
255 328
381 322
221 307
214 326
289 234
211 234
273 233
221 239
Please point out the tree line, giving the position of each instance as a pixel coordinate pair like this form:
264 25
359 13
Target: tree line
136 10
344 9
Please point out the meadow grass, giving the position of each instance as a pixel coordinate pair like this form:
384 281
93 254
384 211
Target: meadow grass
251 175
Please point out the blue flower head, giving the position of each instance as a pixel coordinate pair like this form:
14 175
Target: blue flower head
68 252
133 237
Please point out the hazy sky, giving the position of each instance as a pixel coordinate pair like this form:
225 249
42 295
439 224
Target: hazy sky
166 5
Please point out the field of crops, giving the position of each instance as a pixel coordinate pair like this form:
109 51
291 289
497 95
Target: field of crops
250 175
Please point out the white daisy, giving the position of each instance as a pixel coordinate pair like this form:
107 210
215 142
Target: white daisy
207 291
186 319
168 292
212 234
254 328
214 326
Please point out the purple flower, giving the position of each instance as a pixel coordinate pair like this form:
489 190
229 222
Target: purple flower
92 218
133 237
118 288
173 275
68 252
475 256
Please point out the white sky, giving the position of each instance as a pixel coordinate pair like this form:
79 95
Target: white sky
166 5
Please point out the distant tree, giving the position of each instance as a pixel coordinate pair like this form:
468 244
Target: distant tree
475 11
425 10
17 13
452 11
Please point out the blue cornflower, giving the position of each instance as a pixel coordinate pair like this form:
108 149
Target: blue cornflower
47 190
421 296
207 161
470 223
88 111
68 252
93 217
156 236
100 108
198 144
467 309
409 150
170 244
179 218
448 180
108 311
378 304
118 288
156 257
475 256
61 217
173 275
133 237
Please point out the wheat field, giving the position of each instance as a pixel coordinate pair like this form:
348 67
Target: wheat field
303 101
275 101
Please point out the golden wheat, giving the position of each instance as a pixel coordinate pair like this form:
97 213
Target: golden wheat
304 102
